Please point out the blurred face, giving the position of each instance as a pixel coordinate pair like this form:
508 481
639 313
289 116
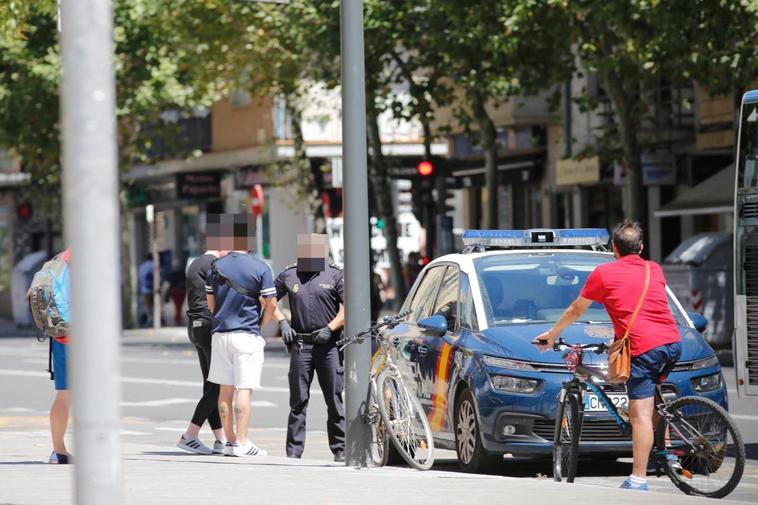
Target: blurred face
312 252
230 232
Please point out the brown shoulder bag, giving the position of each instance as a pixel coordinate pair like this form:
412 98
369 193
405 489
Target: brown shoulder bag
620 352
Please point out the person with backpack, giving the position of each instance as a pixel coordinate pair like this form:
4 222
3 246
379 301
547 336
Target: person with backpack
49 297
242 297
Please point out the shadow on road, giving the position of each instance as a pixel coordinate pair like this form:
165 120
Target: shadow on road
521 467
751 451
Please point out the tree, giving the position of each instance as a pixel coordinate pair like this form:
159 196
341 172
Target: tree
635 45
492 50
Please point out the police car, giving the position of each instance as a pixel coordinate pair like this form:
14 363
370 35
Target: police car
466 345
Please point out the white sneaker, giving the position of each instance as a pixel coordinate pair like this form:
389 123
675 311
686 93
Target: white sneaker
218 447
193 445
229 448
249 449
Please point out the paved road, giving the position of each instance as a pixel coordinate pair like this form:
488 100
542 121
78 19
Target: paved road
161 385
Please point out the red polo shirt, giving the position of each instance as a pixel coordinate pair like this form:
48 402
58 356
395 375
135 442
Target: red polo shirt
618 285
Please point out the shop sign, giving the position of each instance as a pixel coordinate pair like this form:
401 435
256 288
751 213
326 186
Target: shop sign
249 176
570 172
198 185
658 169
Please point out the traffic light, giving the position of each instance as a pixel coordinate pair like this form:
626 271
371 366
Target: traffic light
425 168
24 211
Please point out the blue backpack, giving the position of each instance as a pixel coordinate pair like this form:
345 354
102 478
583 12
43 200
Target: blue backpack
49 296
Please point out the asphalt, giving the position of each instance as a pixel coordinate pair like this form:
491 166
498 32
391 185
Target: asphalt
159 389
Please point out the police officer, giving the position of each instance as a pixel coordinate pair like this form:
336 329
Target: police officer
315 290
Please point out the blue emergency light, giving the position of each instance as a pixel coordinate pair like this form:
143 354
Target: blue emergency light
541 237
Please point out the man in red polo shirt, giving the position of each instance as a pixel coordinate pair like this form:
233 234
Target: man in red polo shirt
654 336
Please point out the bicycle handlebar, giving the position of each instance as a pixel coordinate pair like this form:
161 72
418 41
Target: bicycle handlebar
561 345
389 322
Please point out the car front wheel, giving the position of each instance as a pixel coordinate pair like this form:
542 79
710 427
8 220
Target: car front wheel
472 457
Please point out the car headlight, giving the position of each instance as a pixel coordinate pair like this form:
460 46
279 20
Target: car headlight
707 383
512 364
514 384
705 363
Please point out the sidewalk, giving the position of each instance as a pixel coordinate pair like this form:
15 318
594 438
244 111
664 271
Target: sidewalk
177 335
155 475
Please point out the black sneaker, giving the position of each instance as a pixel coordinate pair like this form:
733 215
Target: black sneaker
339 457
58 459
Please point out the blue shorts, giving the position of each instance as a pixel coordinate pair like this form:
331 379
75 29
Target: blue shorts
60 368
650 368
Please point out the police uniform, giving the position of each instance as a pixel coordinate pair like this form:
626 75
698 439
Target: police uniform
315 299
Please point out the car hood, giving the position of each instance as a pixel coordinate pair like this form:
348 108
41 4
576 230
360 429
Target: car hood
515 341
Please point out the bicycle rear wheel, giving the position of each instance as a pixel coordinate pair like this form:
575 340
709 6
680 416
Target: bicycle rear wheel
708 446
566 439
405 421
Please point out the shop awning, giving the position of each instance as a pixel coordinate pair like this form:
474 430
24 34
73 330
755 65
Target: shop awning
715 195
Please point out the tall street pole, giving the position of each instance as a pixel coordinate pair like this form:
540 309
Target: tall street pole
355 205
91 220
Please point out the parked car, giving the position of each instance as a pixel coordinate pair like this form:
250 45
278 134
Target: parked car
466 346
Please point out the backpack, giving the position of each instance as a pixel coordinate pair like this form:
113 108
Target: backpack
49 297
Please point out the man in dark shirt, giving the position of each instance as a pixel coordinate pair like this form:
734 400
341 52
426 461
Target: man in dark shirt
316 296
241 296
199 328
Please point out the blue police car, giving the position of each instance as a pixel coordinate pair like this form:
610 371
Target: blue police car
466 345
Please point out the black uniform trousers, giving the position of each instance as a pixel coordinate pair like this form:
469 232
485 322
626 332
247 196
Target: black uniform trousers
207 407
326 360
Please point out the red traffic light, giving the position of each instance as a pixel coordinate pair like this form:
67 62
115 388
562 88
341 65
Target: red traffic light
24 211
425 168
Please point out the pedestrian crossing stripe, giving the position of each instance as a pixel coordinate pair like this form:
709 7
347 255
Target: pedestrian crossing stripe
439 397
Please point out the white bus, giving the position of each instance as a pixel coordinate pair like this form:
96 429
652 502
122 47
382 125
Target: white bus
746 248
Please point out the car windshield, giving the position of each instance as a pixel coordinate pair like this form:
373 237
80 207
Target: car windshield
537 288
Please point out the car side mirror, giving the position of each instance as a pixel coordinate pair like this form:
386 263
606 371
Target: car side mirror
698 320
435 326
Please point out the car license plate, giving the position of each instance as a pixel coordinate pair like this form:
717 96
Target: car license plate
593 404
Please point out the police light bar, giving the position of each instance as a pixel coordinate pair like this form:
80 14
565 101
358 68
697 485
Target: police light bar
537 237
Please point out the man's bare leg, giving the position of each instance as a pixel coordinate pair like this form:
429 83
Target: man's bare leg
641 416
225 399
59 420
242 398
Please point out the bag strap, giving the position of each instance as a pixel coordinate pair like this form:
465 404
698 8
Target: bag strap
233 284
639 302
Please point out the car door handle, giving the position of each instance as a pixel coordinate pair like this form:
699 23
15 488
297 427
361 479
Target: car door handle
422 349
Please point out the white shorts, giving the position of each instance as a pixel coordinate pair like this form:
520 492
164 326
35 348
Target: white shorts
236 359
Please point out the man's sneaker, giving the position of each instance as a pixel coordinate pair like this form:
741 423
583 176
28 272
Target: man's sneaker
58 459
229 448
628 484
249 449
673 461
339 457
218 447
193 445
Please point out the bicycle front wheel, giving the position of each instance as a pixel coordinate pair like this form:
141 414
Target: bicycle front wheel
710 454
405 422
566 439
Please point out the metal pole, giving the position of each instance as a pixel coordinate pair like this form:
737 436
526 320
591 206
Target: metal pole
91 219
357 255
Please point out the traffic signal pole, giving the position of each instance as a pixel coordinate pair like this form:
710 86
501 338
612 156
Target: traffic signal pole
91 221
357 254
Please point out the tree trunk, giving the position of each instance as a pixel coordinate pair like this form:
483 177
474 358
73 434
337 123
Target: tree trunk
488 139
126 262
623 97
382 186
305 178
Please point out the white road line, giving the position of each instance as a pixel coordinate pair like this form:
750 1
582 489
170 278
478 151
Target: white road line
176 401
156 361
163 382
743 416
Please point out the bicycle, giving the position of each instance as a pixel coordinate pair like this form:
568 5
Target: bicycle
393 410
692 435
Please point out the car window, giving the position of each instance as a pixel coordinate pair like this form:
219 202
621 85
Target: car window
467 311
447 297
423 298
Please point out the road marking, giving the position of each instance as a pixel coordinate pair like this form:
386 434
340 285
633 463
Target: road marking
163 382
176 401
155 361
743 416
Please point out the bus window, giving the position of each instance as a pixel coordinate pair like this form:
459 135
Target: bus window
748 146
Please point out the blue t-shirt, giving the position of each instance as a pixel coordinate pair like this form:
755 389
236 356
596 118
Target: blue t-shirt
235 311
145 276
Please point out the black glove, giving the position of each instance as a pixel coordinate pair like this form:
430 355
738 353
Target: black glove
321 336
288 334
